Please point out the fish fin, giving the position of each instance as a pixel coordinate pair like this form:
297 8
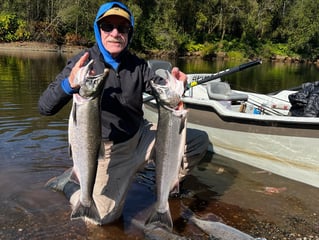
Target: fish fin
90 212
160 220
58 183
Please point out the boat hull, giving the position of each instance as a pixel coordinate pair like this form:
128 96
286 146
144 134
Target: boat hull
287 146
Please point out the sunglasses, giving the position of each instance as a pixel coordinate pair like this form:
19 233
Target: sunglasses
108 27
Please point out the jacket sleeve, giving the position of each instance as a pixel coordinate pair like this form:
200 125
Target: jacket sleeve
56 95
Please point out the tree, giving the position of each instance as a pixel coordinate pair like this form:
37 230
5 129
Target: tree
302 28
172 24
12 28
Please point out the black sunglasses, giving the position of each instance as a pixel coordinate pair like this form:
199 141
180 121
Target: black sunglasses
108 27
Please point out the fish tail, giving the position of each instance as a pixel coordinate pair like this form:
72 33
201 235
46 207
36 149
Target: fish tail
90 212
161 220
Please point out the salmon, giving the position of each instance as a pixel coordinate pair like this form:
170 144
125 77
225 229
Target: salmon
216 230
85 139
169 150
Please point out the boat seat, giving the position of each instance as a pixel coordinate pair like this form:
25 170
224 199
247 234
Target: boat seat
221 91
159 64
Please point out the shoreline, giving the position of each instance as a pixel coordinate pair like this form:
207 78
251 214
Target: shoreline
73 49
40 47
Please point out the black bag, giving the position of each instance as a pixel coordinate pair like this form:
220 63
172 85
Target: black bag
305 103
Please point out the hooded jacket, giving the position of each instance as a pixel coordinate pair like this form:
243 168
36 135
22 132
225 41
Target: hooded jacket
122 97
107 57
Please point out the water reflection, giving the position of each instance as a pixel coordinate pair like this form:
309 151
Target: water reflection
34 148
264 78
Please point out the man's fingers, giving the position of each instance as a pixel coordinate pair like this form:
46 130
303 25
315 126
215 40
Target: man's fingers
178 74
82 60
76 68
175 72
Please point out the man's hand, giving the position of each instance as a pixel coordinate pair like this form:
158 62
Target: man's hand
76 68
179 75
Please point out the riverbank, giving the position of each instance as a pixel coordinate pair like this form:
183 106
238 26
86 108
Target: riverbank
40 47
51 47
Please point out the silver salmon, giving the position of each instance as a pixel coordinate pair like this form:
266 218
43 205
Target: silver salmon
85 139
216 230
169 150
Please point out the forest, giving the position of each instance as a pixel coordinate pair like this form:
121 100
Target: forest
241 28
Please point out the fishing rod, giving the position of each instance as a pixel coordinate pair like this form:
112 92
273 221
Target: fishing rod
223 73
265 108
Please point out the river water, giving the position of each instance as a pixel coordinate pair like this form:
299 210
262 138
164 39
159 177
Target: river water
34 149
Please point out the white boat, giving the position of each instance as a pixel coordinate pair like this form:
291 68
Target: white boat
255 129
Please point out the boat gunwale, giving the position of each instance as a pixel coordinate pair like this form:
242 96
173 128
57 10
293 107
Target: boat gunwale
226 113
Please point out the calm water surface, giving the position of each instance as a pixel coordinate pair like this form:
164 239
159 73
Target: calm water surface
34 148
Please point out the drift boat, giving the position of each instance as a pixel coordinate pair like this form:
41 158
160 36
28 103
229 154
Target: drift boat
253 128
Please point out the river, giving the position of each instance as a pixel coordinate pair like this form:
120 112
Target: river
34 149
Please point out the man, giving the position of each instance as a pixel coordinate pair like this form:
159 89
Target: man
128 138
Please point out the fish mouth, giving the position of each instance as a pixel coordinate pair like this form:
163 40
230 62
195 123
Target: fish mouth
166 97
93 85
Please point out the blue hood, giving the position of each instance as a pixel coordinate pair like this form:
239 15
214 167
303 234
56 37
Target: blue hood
114 62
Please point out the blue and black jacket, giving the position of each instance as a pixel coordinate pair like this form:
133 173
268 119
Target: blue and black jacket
129 77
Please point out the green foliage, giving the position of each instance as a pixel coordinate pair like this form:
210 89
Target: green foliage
235 55
194 47
270 49
248 27
209 49
302 28
12 28
22 33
